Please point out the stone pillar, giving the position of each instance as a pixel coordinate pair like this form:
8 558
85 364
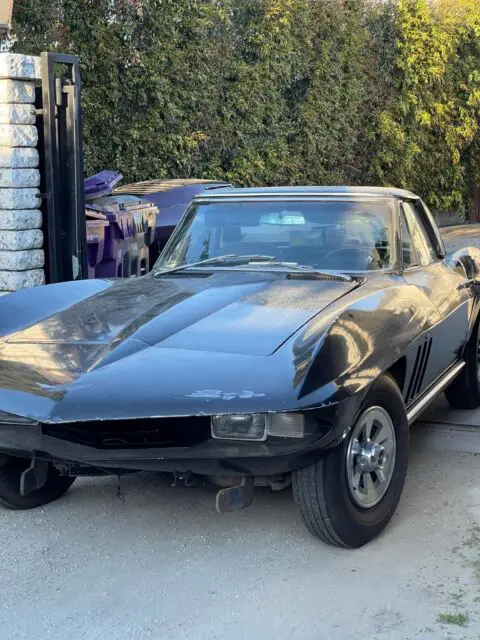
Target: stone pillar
21 239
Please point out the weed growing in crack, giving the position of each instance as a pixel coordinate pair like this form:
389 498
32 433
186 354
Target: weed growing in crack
458 619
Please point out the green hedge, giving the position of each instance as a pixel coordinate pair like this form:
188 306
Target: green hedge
275 91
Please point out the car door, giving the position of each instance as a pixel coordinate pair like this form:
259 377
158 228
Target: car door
441 346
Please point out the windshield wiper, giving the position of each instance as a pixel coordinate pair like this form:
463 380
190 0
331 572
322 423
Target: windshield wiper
233 258
238 260
229 258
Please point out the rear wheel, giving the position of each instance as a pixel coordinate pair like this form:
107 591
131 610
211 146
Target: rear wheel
11 469
347 498
464 392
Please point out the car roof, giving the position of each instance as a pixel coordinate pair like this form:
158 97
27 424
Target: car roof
312 191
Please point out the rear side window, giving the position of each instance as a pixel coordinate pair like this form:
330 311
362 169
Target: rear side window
419 237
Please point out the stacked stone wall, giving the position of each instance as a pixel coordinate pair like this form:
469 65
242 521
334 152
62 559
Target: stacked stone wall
22 256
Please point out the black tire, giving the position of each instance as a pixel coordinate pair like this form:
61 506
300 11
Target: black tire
321 490
11 468
464 392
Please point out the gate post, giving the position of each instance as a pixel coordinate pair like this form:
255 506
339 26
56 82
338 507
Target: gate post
61 165
21 239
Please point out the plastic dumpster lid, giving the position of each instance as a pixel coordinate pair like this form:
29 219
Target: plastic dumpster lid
115 204
164 193
101 184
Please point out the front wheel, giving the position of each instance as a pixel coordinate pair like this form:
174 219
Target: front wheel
347 498
11 469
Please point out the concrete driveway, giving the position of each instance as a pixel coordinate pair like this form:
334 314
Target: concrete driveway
163 564
461 235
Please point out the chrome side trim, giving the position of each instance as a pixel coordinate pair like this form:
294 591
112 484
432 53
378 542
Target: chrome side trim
430 395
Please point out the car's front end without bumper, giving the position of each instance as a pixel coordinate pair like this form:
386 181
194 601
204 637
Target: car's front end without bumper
176 444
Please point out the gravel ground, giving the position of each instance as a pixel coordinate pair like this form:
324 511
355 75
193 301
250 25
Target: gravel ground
163 564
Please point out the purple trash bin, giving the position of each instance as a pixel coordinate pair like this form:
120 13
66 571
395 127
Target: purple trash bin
132 224
129 228
121 246
101 184
96 228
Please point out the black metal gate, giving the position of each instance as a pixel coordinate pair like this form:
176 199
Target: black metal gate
61 167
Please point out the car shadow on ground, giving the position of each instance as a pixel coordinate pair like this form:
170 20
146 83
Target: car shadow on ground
152 496
149 497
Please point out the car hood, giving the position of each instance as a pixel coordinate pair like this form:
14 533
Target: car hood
222 312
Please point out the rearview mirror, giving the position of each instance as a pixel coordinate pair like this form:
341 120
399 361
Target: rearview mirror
282 219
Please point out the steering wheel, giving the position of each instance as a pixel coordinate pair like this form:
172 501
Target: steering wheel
350 255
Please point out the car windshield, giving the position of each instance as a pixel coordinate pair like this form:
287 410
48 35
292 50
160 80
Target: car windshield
331 235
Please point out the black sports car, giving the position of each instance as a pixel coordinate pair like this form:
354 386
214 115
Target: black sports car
284 335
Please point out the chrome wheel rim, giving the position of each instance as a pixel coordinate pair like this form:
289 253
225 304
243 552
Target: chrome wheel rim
371 457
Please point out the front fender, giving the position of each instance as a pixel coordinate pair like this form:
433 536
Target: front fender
340 356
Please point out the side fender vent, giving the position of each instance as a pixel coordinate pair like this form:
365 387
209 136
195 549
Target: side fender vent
419 368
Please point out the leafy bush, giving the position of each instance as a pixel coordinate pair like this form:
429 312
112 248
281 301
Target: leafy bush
275 91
